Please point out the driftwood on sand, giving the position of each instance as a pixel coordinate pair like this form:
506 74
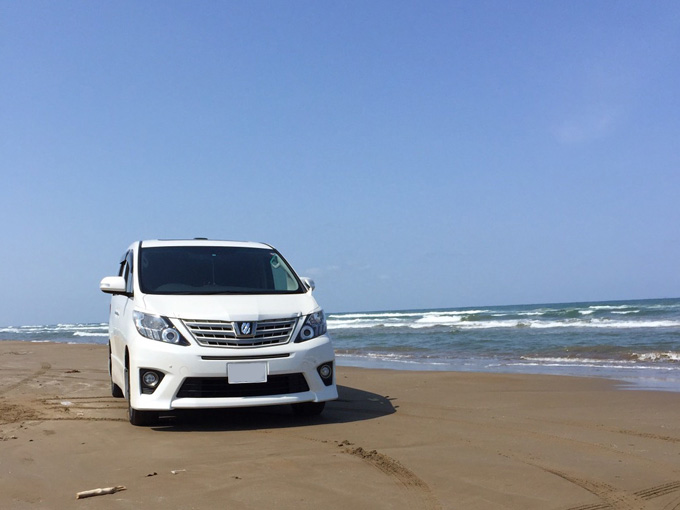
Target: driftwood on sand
99 492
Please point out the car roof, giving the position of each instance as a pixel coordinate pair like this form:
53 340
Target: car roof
157 243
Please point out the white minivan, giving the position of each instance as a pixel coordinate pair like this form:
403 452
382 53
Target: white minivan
212 324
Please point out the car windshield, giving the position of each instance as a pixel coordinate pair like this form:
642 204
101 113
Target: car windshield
215 270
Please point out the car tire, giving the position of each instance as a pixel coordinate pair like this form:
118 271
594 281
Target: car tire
142 418
308 408
116 392
138 418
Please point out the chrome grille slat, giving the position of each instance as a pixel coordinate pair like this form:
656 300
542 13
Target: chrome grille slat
212 333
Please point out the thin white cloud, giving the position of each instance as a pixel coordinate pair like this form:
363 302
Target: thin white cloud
321 271
585 128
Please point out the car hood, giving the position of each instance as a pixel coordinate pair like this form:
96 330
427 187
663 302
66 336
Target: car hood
231 307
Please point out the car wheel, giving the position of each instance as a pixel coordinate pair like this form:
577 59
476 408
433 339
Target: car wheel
308 408
142 418
138 418
115 389
116 392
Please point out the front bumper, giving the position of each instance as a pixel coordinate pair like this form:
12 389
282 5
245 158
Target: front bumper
196 377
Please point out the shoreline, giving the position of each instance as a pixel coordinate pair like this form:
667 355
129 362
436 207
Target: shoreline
632 377
394 439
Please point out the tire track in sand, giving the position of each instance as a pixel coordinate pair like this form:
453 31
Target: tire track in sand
612 498
418 492
44 367
662 490
645 495
11 412
87 408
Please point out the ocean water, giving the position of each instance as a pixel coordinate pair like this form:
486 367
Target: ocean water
637 342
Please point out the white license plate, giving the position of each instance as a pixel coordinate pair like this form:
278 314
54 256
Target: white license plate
242 373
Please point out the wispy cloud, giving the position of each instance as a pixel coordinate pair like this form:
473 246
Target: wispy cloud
585 128
348 268
321 271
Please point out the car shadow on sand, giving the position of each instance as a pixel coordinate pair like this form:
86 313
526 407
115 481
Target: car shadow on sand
352 405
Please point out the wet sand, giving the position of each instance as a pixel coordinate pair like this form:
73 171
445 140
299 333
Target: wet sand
394 440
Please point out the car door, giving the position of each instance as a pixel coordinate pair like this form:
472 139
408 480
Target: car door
121 309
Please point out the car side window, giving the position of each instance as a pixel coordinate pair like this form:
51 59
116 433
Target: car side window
123 271
126 272
129 277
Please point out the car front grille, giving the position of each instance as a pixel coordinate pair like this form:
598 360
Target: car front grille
219 387
226 334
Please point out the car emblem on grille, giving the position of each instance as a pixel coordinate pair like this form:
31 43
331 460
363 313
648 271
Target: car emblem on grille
245 328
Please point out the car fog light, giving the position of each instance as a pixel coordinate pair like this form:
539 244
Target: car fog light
326 373
150 379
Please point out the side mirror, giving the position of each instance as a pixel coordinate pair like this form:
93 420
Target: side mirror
308 282
113 285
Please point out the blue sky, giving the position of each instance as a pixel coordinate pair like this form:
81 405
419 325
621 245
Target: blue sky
403 154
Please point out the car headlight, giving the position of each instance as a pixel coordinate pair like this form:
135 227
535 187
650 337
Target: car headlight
314 325
158 328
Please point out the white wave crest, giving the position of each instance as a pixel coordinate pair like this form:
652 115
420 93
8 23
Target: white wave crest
404 315
10 329
454 321
332 325
574 361
440 319
611 365
369 315
610 307
658 356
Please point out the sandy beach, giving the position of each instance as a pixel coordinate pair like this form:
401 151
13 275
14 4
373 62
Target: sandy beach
429 440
